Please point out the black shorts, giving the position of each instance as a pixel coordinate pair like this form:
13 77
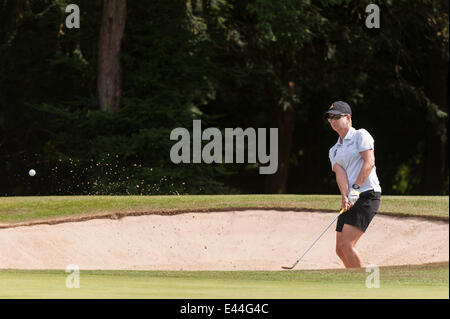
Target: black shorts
361 214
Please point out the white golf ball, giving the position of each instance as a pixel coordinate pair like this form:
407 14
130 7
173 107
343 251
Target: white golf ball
32 172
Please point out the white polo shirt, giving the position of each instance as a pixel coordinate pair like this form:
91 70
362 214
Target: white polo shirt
348 156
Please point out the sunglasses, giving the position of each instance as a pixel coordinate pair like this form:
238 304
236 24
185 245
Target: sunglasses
335 116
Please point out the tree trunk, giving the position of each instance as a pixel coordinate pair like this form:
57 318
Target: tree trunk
284 120
109 77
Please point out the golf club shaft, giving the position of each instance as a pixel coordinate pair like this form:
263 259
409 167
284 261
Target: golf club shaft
323 231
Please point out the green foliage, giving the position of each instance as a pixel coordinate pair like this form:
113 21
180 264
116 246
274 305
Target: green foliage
77 149
93 152
226 62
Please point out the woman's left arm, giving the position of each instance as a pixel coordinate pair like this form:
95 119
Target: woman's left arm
369 163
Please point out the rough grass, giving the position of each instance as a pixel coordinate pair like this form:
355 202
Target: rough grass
29 209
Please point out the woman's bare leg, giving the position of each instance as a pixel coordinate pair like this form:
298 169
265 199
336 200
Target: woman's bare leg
346 243
339 251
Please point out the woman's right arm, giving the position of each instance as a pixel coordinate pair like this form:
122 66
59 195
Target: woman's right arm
342 181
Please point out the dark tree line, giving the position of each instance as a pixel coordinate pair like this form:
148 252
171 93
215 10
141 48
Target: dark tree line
91 109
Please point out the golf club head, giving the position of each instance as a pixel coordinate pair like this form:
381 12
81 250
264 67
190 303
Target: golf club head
287 268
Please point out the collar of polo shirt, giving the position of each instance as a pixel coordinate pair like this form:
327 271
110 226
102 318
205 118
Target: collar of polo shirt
348 136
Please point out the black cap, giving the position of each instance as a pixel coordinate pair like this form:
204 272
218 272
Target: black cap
338 107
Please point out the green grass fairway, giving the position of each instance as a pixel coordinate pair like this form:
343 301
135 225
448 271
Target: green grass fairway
29 209
426 281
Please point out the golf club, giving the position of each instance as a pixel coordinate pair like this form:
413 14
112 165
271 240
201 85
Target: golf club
323 231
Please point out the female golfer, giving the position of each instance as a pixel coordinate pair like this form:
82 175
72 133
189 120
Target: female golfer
353 161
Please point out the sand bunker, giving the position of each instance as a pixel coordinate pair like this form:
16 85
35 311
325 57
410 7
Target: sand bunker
242 240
